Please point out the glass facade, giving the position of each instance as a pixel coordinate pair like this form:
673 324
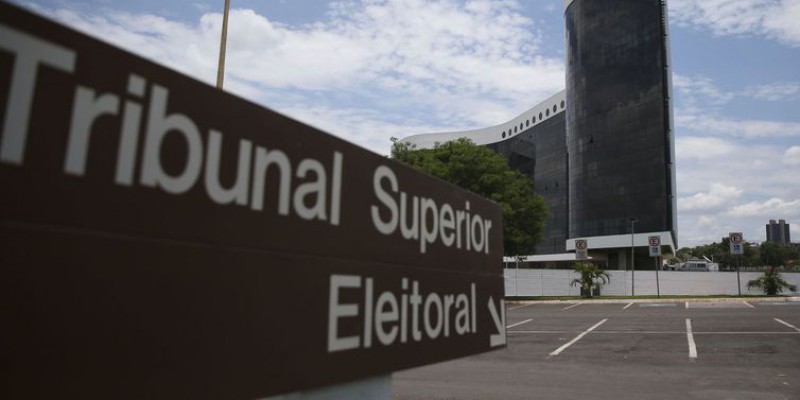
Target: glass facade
541 153
618 120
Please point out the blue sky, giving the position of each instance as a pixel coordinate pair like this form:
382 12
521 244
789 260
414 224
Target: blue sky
367 70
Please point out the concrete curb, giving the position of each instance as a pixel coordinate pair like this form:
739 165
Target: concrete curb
510 301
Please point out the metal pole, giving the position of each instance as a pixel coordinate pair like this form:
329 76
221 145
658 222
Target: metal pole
658 286
223 40
738 278
516 279
633 263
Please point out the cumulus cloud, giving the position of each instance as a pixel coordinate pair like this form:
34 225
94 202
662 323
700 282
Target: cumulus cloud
698 90
716 197
484 47
774 19
792 156
481 67
783 22
787 209
772 91
727 127
704 148
702 92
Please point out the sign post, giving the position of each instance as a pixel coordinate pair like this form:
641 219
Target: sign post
736 240
655 252
518 258
160 238
581 249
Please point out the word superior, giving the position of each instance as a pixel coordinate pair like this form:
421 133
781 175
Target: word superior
422 219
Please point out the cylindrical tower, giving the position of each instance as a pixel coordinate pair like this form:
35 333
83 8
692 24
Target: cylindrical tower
618 118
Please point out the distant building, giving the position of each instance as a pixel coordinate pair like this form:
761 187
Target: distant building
778 232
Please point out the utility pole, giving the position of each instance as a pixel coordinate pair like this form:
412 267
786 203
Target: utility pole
223 40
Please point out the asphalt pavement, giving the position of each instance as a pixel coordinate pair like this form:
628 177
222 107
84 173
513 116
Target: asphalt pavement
676 349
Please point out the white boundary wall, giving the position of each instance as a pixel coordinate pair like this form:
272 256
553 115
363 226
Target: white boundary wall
556 282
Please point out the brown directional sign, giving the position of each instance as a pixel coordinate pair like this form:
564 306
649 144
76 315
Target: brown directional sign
162 239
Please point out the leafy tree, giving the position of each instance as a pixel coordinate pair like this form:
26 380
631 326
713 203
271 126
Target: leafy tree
486 173
591 277
777 254
720 253
771 283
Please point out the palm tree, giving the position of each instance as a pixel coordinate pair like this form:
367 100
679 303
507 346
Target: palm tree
591 277
771 283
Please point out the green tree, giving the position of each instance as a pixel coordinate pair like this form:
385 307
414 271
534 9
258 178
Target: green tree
771 283
486 173
591 277
777 254
721 253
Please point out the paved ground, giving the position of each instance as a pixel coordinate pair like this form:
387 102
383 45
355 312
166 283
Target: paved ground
657 350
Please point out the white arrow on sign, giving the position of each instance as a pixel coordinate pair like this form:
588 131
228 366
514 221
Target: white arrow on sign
499 338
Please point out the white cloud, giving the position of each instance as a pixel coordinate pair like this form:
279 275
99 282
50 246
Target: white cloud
773 91
786 209
697 91
703 148
464 64
776 19
700 91
745 175
718 196
783 23
727 127
792 156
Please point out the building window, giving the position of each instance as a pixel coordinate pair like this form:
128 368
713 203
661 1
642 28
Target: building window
547 112
540 116
504 134
528 123
562 104
554 108
515 129
520 126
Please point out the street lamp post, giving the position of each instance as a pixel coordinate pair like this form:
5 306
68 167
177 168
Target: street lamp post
223 40
633 264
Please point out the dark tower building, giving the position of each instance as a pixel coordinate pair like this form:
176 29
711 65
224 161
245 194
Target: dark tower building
778 232
619 135
601 152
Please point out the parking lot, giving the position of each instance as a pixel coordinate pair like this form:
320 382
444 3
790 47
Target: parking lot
643 350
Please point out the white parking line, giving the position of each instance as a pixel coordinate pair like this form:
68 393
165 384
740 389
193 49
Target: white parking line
577 338
518 307
737 333
690 339
572 306
626 307
787 324
519 323
748 304
687 304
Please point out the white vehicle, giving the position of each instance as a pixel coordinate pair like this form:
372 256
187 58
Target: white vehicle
698 265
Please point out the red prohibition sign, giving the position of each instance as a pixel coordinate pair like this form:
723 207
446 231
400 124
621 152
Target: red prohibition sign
655 241
736 238
580 245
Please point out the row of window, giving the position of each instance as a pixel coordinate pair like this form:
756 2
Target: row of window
533 120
